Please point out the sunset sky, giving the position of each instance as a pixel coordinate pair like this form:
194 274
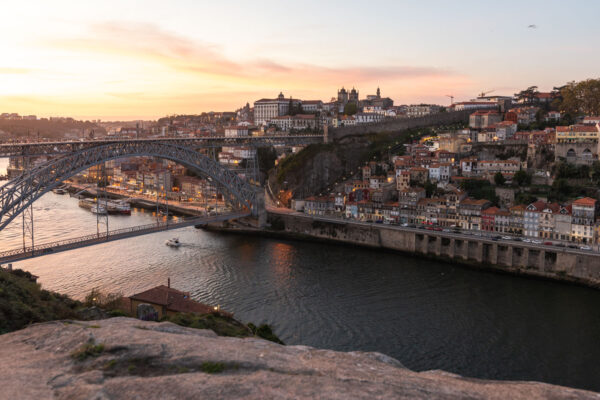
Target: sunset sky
129 60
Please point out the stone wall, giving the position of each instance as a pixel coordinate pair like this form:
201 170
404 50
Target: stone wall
510 256
396 125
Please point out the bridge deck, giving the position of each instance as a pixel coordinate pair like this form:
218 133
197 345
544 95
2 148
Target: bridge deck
90 240
32 149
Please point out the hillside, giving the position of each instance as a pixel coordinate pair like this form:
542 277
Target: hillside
24 302
47 128
317 167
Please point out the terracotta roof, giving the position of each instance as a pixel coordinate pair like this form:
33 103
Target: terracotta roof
172 299
585 201
577 128
490 211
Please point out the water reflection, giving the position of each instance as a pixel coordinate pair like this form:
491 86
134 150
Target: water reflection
427 314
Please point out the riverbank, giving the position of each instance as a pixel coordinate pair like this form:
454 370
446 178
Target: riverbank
175 209
517 258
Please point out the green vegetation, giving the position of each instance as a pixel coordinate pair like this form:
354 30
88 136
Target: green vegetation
223 326
350 108
266 158
106 301
577 98
522 178
23 302
564 170
212 367
562 190
480 189
88 350
264 331
499 179
296 161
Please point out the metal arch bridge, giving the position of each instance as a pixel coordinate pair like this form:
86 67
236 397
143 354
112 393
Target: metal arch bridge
21 192
63 147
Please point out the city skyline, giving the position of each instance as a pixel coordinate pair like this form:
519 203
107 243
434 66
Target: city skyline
125 61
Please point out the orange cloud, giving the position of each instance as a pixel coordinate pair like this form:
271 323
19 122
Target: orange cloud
148 41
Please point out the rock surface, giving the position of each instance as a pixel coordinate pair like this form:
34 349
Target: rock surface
124 358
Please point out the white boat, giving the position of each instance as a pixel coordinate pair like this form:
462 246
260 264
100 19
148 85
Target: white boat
59 190
173 242
98 210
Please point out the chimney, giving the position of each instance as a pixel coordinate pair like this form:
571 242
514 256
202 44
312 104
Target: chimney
168 282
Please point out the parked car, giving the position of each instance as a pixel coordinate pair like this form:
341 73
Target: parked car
559 245
526 240
585 248
572 246
506 237
536 241
548 243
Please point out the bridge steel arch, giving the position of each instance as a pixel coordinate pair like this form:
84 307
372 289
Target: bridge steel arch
21 192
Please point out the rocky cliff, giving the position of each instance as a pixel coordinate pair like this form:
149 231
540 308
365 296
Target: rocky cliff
123 358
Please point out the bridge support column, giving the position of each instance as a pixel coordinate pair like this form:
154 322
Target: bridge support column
509 256
525 258
451 248
425 244
479 254
465 250
494 254
438 246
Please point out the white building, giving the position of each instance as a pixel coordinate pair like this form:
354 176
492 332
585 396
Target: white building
266 109
368 118
420 110
439 172
236 131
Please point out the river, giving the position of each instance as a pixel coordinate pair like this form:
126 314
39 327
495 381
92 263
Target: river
427 314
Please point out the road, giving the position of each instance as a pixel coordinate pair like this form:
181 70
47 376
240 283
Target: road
470 235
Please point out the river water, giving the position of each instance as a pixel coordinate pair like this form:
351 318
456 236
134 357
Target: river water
427 314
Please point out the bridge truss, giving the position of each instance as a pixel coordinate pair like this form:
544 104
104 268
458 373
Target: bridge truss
21 192
64 147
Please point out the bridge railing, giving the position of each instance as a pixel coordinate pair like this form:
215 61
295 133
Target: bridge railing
47 248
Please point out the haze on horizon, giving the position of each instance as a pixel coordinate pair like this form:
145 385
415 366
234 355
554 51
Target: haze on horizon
144 60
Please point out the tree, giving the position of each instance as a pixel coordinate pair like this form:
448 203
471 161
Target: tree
580 98
522 178
499 179
430 188
350 108
528 95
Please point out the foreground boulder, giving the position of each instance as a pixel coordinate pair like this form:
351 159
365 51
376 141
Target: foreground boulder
124 358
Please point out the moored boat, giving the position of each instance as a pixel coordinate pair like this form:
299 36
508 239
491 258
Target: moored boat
59 191
97 209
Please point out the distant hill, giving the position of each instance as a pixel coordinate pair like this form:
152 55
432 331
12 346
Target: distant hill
49 129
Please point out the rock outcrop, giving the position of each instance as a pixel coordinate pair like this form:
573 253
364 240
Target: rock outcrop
124 358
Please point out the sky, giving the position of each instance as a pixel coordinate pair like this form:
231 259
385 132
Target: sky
124 60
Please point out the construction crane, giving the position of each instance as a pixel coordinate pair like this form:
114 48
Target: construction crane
483 94
451 98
